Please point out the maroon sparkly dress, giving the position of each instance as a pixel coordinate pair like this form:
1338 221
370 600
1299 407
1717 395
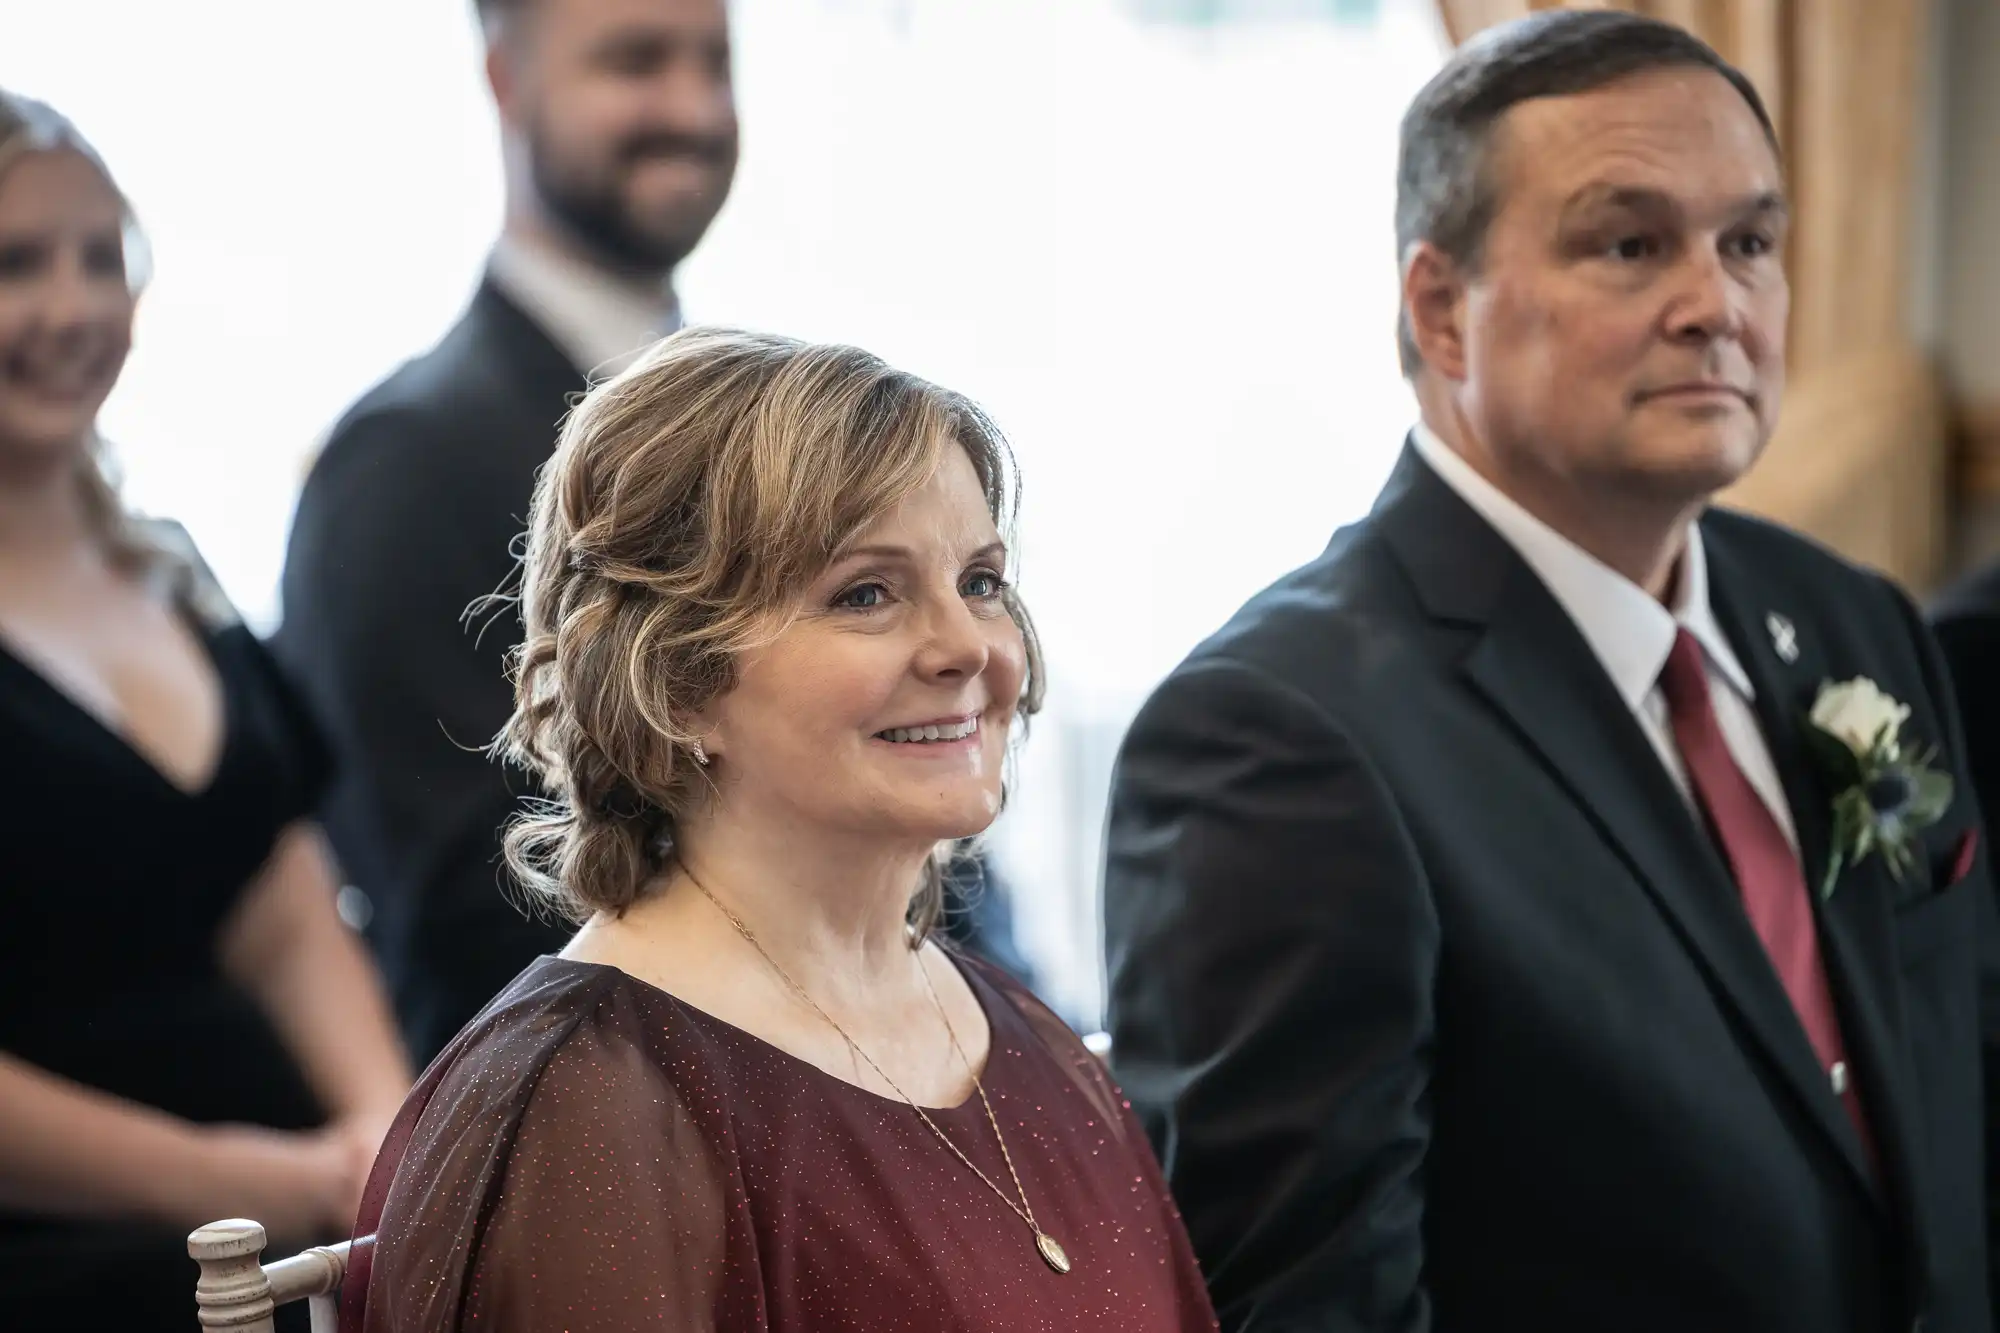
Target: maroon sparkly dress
592 1155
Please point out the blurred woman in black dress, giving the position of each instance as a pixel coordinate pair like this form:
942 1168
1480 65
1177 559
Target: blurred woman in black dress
187 1030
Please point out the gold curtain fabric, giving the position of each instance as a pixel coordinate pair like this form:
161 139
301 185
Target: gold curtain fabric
1859 458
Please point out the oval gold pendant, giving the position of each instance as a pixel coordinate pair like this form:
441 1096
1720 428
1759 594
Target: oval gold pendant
1052 1252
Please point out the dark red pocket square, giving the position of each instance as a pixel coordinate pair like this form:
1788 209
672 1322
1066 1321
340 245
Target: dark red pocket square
1961 860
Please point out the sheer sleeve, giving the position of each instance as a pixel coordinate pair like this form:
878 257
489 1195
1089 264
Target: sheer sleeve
571 1169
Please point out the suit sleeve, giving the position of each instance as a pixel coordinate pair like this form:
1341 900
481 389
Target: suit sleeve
400 531
1938 679
1272 946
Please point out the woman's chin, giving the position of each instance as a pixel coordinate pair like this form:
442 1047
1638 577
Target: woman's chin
947 816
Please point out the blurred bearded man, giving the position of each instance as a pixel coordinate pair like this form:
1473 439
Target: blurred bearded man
619 138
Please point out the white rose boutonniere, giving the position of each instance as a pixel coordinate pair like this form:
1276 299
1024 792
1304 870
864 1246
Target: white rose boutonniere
1859 713
1883 796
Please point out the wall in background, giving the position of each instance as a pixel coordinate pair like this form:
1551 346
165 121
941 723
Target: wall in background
1969 256
1970 198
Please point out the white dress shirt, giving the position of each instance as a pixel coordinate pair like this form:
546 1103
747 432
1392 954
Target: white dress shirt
600 320
1630 632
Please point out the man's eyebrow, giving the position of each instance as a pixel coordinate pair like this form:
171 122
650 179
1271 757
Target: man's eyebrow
1645 199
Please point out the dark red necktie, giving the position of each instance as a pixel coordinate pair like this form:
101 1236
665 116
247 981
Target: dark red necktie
1767 870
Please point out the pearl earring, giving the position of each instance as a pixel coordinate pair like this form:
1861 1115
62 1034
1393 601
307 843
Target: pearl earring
700 754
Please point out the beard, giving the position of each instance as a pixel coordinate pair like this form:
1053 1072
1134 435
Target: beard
588 200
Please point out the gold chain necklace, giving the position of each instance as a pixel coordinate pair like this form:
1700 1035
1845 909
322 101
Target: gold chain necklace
1046 1245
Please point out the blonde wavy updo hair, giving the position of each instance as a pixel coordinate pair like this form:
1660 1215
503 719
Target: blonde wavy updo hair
689 503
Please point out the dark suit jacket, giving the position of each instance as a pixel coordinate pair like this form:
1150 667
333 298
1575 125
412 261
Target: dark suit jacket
1967 621
1444 1012
410 515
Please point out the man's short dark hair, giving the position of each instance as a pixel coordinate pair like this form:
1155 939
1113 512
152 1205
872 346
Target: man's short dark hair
1445 192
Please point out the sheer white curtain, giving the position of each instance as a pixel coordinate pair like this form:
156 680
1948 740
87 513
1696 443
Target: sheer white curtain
1160 253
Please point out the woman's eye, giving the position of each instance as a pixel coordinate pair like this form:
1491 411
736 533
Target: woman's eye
863 597
985 584
106 259
19 259
1633 247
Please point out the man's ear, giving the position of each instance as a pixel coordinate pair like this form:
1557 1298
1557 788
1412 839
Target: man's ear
1434 302
502 75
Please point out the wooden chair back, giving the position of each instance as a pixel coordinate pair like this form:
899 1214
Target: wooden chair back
238 1291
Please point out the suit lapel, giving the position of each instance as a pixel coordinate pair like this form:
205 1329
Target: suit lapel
540 369
1857 934
1534 666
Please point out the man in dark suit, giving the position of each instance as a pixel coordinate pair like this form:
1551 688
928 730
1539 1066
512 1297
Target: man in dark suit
1967 621
619 132
1485 951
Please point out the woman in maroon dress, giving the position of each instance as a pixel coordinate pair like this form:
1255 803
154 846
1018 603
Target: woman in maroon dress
771 670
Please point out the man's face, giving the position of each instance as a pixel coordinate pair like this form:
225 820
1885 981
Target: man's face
1625 329
628 117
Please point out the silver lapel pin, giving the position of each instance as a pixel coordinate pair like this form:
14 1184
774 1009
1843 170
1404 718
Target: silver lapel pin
1784 636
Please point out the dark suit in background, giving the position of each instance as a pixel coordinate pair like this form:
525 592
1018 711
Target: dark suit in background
1444 1011
1967 620
409 517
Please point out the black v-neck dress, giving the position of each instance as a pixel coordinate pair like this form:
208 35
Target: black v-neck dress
114 886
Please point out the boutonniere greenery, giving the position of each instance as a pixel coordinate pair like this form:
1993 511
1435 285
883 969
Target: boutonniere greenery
1884 795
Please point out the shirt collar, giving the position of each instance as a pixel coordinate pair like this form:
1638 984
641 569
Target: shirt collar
1630 632
599 320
